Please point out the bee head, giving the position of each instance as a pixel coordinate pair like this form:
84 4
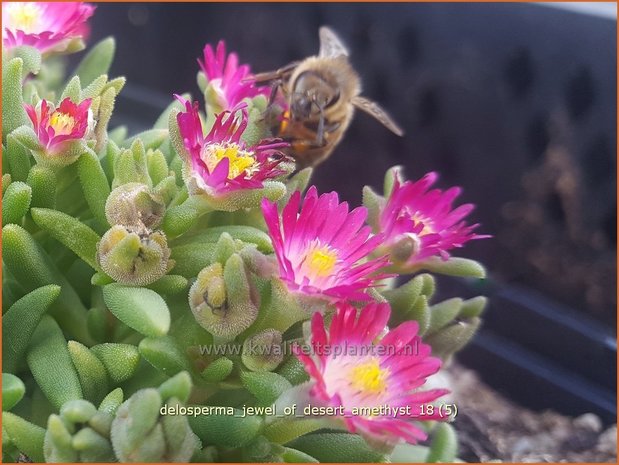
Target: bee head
312 93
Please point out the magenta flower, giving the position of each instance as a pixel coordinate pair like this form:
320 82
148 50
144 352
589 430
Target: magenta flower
55 128
356 369
225 77
220 162
424 217
49 27
320 250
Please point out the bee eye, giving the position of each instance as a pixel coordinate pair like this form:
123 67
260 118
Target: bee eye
302 106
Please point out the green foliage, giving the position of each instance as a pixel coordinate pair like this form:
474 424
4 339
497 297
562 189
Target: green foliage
123 276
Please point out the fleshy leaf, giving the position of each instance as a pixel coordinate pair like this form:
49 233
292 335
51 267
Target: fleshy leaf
141 309
97 61
20 321
50 363
120 360
13 390
69 231
16 202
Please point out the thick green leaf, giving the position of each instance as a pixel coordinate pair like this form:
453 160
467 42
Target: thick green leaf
71 232
164 354
151 138
240 232
27 437
20 321
218 370
13 390
192 258
18 158
179 219
443 313
169 284
51 365
112 401
94 185
13 113
43 182
337 447
97 61
444 445
455 266
178 386
31 57
226 430
141 309
33 268
265 385
120 360
16 202
90 370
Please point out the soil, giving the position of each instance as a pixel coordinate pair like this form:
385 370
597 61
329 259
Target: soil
491 427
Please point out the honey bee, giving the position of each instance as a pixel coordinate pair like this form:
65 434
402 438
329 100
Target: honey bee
322 93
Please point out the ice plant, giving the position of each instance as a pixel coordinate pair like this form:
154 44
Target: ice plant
49 27
220 162
227 80
56 127
419 222
164 272
353 366
320 250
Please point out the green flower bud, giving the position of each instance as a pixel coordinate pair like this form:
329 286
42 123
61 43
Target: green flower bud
221 298
141 434
263 351
79 434
134 205
134 257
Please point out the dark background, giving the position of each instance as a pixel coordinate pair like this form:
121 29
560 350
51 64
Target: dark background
516 103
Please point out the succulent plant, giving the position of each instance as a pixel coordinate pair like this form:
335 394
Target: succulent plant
176 295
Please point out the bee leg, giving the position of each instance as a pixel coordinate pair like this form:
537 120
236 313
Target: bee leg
320 131
274 88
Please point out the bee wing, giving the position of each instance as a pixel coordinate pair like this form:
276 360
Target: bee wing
330 44
377 112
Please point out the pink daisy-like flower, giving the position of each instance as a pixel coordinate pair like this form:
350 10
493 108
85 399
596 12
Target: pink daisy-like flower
320 250
220 162
426 219
358 373
57 127
227 78
49 27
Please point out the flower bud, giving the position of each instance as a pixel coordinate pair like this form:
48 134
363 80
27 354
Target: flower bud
141 434
134 204
221 299
263 351
80 433
134 257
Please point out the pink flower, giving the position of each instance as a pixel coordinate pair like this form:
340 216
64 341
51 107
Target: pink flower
57 127
226 77
354 367
220 162
50 27
426 219
320 250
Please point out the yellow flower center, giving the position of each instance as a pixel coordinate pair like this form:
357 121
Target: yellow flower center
62 123
241 161
24 16
369 378
427 223
320 261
